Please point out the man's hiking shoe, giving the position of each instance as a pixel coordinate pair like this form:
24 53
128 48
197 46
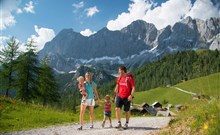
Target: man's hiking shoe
125 125
79 128
119 125
103 124
91 127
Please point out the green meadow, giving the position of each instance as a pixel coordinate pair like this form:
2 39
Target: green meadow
208 85
200 117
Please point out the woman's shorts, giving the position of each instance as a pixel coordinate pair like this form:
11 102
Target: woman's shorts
89 102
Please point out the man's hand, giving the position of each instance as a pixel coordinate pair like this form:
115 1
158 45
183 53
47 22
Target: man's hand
113 99
130 98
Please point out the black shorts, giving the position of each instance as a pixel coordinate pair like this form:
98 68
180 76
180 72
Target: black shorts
123 101
108 114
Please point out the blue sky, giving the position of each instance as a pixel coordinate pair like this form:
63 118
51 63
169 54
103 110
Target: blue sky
43 19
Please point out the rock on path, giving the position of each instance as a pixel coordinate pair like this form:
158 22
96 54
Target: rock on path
137 126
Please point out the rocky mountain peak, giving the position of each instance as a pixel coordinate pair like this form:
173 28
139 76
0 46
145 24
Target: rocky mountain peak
137 44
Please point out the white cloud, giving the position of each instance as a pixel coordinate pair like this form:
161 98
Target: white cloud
6 17
78 5
8 10
19 11
203 9
87 32
3 41
91 11
43 35
136 11
29 7
168 13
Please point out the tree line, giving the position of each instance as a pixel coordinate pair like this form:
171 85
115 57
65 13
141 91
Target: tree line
172 69
25 77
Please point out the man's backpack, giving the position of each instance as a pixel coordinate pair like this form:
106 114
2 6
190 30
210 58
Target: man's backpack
128 79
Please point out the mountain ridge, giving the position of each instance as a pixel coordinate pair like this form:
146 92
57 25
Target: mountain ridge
134 45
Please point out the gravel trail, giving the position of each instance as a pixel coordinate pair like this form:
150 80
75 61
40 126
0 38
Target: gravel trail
137 126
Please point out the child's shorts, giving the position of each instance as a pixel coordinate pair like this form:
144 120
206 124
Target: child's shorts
108 114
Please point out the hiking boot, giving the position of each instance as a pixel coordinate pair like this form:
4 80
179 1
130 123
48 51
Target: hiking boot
79 128
103 124
91 127
119 125
125 125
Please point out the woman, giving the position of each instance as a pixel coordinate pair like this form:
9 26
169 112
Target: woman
90 87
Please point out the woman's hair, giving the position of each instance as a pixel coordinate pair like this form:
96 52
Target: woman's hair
89 73
123 68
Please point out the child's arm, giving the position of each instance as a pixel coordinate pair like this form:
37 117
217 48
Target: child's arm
84 93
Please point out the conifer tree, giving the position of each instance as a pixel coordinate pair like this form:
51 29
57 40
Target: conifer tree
27 83
48 85
8 56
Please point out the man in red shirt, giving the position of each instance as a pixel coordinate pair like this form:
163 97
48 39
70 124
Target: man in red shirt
125 88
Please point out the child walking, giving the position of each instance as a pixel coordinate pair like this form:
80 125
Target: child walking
81 87
107 111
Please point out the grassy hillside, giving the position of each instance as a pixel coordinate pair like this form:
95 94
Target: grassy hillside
201 116
208 85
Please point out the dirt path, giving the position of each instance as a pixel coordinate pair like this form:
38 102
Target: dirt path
137 126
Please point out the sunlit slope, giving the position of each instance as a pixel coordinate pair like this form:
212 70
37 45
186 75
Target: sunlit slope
208 85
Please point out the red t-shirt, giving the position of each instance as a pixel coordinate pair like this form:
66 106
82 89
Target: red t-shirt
107 107
125 84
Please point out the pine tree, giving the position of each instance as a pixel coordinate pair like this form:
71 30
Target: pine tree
48 86
27 82
8 56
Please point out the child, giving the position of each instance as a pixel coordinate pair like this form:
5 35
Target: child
107 111
82 88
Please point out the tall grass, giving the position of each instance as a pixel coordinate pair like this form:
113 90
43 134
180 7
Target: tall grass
15 115
200 118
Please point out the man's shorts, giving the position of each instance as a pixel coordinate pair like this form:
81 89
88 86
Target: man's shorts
89 102
108 114
123 101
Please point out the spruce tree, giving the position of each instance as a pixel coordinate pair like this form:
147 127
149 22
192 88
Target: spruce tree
48 85
8 56
27 83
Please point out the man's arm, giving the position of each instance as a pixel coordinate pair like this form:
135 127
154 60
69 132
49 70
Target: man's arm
115 92
132 92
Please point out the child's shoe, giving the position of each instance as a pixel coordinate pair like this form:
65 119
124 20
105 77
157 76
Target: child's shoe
103 124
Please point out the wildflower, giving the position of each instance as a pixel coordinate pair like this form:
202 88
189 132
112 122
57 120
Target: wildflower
205 126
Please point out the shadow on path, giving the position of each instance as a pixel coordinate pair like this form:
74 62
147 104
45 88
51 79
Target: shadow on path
142 128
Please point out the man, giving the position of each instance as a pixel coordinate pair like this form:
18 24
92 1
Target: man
125 88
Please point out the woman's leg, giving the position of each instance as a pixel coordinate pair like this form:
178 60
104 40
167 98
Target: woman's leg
91 114
82 112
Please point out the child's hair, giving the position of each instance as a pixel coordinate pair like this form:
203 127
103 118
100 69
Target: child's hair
107 97
80 78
